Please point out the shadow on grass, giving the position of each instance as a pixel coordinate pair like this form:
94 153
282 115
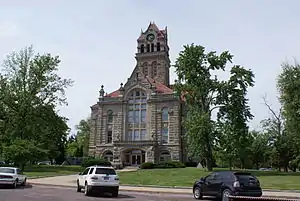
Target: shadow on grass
265 173
52 168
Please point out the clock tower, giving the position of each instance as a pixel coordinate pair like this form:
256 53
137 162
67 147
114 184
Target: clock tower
153 54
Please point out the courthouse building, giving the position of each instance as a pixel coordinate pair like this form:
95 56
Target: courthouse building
140 121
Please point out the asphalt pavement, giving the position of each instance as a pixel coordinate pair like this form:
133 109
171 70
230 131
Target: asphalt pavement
46 193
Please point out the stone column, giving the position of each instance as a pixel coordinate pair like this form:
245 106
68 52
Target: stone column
99 126
174 125
117 127
150 154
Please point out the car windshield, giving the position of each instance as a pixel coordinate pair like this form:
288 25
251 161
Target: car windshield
106 171
7 170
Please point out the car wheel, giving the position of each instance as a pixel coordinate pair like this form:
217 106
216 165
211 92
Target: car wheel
115 193
14 185
87 190
23 183
197 193
78 187
225 194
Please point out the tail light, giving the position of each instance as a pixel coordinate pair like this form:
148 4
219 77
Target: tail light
94 178
117 178
236 184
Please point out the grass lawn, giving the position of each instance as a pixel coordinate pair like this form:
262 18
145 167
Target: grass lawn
187 176
49 170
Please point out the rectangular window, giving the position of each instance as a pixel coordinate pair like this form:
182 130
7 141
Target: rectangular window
130 107
136 117
130 117
136 135
143 106
131 101
137 106
109 136
143 116
143 134
129 135
165 135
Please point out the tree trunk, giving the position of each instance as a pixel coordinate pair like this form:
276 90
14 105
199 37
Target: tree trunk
257 165
209 163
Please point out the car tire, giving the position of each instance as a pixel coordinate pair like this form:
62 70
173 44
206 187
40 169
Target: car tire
14 185
78 187
226 192
23 183
115 193
197 193
87 189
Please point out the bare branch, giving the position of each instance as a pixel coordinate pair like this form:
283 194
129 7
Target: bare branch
270 109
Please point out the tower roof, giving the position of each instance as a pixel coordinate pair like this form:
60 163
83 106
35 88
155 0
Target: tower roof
161 33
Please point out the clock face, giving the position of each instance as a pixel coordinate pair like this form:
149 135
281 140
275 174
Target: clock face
150 37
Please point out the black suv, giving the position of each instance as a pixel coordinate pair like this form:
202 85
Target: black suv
223 183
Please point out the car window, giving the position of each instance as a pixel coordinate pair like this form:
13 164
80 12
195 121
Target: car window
244 176
7 170
19 171
91 170
210 176
85 171
106 171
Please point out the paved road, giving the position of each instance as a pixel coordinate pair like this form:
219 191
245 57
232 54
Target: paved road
39 193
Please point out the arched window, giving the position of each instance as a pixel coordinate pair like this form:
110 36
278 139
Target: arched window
158 47
165 126
164 156
145 68
148 47
154 69
152 47
142 48
110 119
108 155
137 114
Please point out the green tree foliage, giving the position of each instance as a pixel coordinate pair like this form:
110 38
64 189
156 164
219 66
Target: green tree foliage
203 92
288 86
30 91
234 115
77 145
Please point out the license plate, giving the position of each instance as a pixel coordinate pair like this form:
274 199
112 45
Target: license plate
106 178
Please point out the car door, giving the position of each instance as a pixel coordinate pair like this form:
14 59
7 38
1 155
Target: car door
207 187
20 175
216 183
82 176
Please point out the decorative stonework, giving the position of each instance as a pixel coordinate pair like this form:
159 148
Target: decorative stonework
156 85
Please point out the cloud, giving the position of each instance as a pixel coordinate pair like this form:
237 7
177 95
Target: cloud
8 29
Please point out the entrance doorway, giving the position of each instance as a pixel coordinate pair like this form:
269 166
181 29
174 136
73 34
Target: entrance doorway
134 157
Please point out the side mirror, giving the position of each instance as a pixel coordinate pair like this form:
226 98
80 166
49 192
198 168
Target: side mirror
80 173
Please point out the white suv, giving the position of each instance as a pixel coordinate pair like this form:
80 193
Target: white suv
104 179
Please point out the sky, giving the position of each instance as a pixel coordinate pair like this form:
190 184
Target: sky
96 40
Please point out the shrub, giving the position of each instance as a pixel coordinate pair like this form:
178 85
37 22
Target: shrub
169 164
191 164
95 161
147 165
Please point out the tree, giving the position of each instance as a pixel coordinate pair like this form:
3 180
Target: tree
77 145
30 92
203 94
288 86
235 113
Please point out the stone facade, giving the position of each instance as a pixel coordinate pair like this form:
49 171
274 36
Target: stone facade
141 121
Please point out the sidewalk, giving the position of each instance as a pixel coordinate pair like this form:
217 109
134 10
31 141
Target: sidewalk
70 181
